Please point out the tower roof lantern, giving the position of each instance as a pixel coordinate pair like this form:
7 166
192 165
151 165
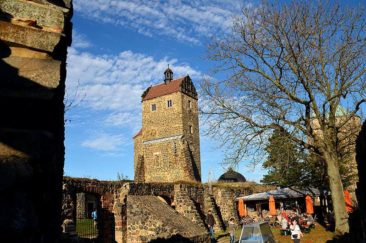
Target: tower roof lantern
168 75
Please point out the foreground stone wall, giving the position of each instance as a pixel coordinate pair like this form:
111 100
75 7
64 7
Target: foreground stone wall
225 199
34 36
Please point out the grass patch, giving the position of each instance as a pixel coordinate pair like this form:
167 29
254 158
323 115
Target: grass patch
85 228
317 235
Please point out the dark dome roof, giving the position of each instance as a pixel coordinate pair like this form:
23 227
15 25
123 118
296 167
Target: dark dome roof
232 176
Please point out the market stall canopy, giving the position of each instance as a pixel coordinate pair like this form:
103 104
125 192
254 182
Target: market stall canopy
282 193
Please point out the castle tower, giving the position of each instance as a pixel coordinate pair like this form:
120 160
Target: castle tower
167 148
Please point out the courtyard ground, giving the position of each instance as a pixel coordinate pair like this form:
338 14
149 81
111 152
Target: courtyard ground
317 235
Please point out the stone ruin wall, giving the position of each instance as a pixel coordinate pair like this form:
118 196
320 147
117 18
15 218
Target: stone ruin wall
106 191
186 199
34 36
190 200
150 220
120 200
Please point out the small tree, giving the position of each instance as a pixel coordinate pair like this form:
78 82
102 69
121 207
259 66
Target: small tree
288 164
122 177
291 66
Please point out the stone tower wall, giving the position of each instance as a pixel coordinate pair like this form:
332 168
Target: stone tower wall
139 165
34 36
168 147
168 161
190 119
165 121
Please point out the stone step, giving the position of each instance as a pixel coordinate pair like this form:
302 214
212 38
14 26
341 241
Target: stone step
210 204
186 206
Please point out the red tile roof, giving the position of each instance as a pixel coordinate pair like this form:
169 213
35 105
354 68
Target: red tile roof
163 89
137 134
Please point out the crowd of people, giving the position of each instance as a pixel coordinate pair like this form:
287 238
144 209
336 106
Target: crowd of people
290 222
293 224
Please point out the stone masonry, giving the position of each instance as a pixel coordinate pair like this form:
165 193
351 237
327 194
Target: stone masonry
361 185
34 36
186 205
189 200
149 219
167 147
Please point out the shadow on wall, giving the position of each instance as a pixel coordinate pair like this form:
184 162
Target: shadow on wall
361 185
196 172
31 153
106 226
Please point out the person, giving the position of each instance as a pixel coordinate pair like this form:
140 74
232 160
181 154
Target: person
296 217
284 215
210 223
284 223
232 228
296 233
94 217
309 220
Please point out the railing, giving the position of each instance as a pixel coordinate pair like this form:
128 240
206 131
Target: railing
86 228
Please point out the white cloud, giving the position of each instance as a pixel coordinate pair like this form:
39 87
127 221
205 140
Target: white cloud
105 142
111 87
122 119
116 82
185 21
79 40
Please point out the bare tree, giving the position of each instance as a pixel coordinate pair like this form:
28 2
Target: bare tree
73 100
291 67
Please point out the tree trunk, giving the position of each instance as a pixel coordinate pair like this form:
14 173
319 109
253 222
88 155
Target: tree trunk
336 188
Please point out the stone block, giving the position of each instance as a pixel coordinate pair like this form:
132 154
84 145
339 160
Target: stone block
41 14
23 72
29 36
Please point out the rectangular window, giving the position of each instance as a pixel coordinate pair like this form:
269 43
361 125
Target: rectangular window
189 104
191 129
153 107
157 160
170 103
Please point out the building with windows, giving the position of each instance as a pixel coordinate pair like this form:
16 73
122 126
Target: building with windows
167 148
348 127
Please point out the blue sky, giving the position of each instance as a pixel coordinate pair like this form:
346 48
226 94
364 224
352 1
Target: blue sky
120 48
